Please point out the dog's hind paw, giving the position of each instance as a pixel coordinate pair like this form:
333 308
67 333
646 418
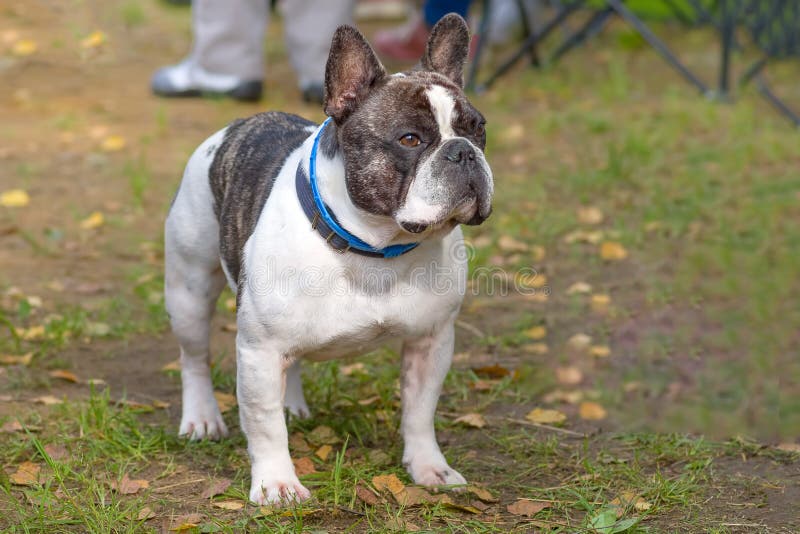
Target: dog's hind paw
278 492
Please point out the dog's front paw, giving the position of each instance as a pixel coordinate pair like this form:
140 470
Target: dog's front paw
434 474
278 492
202 422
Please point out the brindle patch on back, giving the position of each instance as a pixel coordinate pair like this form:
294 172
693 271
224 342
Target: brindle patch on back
243 172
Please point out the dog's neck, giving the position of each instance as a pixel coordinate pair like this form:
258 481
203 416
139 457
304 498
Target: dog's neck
377 230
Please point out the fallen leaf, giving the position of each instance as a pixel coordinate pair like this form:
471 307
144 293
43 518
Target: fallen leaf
34 301
600 351
24 47
217 487
95 329
579 288
483 385
95 382
492 371
56 451
298 444
229 505
14 198
788 447
304 466
545 417
367 496
527 507
145 514
388 482
515 132
415 496
353 368
322 435
475 420
10 426
33 333
612 251
591 411
507 243
535 348
558 395
48 400
582 236
63 374
113 143
480 506
536 332
629 499
600 302
538 253
93 40
579 342
187 522
226 401
323 452
532 280
230 304
481 493
161 405
172 366
569 376
95 220
590 215
27 474
127 486
25 359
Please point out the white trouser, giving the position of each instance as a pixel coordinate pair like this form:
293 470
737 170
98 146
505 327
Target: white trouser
229 35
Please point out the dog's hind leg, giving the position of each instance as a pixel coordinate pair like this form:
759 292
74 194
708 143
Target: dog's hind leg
193 280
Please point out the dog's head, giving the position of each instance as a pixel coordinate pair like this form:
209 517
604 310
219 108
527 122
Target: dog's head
412 143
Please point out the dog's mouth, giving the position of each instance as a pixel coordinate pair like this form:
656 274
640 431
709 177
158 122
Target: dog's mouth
467 211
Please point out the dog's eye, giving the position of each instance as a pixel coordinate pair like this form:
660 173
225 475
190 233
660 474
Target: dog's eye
410 140
480 129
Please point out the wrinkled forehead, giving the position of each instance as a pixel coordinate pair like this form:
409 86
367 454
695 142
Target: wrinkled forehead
425 96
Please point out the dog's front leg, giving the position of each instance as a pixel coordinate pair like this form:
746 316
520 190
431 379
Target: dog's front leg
425 365
261 386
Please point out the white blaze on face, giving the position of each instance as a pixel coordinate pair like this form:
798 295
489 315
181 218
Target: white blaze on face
443 108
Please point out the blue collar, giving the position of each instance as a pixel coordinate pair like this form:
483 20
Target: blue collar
325 222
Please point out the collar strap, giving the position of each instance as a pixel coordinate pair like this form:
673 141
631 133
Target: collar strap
323 220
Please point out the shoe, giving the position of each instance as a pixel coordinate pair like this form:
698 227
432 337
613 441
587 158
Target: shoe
314 94
404 43
188 80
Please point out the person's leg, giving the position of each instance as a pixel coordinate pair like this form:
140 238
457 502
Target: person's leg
309 27
407 43
227 55
433 10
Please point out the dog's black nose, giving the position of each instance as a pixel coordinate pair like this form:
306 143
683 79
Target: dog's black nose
459 151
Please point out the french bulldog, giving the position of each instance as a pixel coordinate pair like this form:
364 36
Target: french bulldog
335 238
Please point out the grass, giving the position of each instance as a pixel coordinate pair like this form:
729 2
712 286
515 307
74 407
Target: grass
700 383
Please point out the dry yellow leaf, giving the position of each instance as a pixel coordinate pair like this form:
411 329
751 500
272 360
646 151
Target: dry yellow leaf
8 359
24 47
174 365
579 342
48 400
507 243
591 411
95 220
536 332
559 395
388 482
527 507
323 452
788 447
27 474
94 39
582 236
611 250
31 334
14 198
515 132
538 253
600 351
113 143
128 486
475 420
229 505
535 348
145 514
600 302
226 401
11 426
579 287
545 417
569 376
590 215
532 280
63 374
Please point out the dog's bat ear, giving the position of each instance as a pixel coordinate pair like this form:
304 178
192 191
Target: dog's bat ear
352 69
448 48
